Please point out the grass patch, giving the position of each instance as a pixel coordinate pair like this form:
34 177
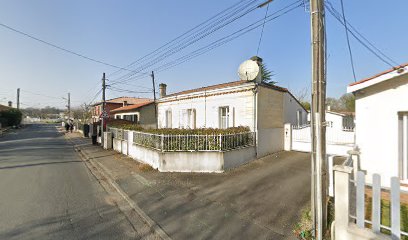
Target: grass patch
386 215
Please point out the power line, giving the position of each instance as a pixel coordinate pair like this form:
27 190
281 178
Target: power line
180 45
353 31
94 97
61 48
223 40
188 33
348 41
263 26
40 94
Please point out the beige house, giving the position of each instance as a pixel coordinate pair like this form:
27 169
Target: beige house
142 113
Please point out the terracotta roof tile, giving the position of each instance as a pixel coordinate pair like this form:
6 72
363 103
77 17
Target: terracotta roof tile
379 74
131 107
130 100
224 85
3 107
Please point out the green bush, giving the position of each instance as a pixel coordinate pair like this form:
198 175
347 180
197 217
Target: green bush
10 117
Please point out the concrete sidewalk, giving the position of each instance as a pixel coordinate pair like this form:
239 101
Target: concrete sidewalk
260 200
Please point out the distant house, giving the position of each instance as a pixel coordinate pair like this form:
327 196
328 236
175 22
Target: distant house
112 104
382 122
4 108
142 113
338 120
263 107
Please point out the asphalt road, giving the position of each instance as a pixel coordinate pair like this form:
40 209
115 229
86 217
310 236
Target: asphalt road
47 192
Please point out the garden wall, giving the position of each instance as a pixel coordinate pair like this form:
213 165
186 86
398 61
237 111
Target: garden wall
185 161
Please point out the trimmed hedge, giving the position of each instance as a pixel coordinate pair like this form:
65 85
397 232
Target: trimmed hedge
177 131
10 117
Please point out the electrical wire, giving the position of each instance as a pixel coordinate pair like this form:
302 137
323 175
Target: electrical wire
60 48
40 94
188 33
263 26
180 45
225 39
348 41
360 38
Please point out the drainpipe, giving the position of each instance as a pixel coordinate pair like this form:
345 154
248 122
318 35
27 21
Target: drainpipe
255 91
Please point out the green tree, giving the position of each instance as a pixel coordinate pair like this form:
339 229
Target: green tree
306 105
348 102
266 74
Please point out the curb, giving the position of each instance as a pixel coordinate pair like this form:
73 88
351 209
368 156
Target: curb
108 177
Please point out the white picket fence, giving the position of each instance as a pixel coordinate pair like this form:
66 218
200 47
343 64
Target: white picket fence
350 216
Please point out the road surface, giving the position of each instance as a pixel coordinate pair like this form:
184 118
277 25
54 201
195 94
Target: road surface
47 192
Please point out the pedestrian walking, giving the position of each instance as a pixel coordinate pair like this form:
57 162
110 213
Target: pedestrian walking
71 126
66 127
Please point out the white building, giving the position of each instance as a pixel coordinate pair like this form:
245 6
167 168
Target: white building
382 122
338 120
264 108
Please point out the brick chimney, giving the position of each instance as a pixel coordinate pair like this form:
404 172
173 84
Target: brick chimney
162 88
10 103
125 103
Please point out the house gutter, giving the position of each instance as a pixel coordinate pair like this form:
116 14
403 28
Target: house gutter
255 91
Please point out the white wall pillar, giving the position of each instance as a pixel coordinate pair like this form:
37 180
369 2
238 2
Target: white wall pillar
288 137
107 140
405 147
341 199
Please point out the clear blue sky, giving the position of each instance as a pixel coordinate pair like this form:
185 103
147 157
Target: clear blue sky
119 32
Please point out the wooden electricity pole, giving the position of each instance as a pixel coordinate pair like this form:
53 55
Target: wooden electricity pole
18 98
154 98
69 106
319 165
103 105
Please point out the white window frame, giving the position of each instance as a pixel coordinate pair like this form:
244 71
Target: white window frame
168 119
188 118
223 121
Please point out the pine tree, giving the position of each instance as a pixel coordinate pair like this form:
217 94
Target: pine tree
266 74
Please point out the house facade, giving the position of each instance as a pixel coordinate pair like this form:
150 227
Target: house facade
142 114
262 107
112 104
382 122
338 120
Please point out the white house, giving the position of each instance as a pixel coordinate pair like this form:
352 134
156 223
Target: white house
382 122
263 107
338 120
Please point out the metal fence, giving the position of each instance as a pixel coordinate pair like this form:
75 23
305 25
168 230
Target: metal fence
118 133
221 142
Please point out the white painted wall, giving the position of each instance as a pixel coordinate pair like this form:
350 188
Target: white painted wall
377 125
206 161
241 110
334 120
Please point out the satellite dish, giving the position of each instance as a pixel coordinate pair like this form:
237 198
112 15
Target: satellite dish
248 70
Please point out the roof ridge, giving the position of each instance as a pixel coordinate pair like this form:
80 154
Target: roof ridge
379 74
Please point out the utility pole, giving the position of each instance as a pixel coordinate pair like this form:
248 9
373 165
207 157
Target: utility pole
69 106
319 165
18 98
103 105
154 98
